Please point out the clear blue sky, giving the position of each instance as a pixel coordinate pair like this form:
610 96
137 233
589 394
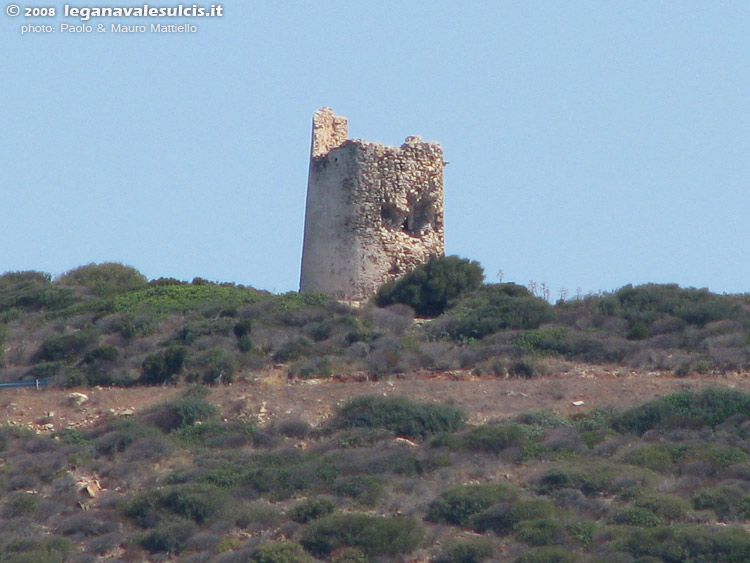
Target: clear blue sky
591 144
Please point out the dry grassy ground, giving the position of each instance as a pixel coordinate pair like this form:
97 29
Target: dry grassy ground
270 396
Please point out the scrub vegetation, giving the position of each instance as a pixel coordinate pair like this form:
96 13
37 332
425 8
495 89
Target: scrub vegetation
107 325
384 478
665 480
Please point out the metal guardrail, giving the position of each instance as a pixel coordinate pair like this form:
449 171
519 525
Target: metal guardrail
38 383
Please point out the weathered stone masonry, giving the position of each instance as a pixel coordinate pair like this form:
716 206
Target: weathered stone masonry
373 212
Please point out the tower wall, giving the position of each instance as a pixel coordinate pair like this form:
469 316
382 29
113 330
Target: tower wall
373 212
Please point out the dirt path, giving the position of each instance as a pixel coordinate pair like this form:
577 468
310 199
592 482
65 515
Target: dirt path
272 397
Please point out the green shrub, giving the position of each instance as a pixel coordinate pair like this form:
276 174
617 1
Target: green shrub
459 504
280 552
32 291
541 531
120 434
582 531
242 330
215 434
102 354
543 340
3 338
132 326
399 415
658 457
541 419
668 507
162 300
649 302
259 513
213 366
66 346
311 508
365 489
105 279
192 331
639 331
431 287
46 549
313 368
348 555
242 327
494 438
467 551
688 409
547 554
593 477
363 335
636 516
689 544
180 413
198 502
170 536
294 349
374 535
503 517
162 366
495 307
524 368
724 501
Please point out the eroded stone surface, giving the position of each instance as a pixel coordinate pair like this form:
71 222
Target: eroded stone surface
373 212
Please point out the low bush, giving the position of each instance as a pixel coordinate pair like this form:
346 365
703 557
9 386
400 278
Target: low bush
66 346
431 287
724 501
709 407
198 502
503 517
593 477
119 434
313 368
489 438
180 413
191 332
650 302
492 308
257 514
163 366
541 531
213 366
689 544
399 415
459 504
170 536
294 349
280 552
133 326
547 554
668 507
636 516
311 508
374 535
364 489
467 551
105 279
32 291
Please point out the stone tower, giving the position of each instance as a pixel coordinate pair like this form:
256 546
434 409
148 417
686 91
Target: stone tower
373 212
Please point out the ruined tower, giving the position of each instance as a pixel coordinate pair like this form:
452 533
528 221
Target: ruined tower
373 212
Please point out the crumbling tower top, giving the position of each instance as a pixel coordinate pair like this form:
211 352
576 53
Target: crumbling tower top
329 131
373 212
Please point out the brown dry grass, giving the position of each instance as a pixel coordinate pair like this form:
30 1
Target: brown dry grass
271 396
